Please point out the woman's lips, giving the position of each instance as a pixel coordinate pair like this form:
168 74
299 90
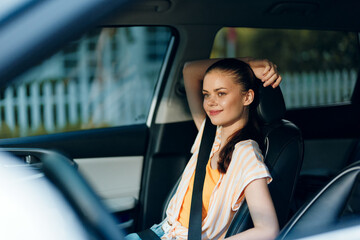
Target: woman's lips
214 113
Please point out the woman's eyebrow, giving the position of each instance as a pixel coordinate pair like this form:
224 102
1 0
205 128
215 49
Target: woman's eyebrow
221 88
216 90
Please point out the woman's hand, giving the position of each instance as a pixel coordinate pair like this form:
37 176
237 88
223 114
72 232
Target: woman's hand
266 71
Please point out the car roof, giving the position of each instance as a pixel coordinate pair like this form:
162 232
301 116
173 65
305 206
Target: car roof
310 14
209 14
29 39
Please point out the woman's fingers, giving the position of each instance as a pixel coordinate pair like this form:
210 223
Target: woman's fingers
269 75
266 69
277 82
271 80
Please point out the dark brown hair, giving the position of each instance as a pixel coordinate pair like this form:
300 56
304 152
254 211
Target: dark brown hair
243 75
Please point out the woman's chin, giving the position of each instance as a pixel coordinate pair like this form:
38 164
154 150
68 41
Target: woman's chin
215 121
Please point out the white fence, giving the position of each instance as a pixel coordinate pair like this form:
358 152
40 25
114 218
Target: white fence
318 88
56 105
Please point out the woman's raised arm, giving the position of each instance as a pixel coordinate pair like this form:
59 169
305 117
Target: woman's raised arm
193 74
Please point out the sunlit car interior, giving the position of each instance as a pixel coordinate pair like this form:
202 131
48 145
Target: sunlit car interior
105 94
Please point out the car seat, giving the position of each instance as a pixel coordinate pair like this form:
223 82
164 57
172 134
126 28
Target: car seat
337 203
283 156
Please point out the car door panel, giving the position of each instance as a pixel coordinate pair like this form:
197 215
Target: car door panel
169 152
103 142
111 159
115 179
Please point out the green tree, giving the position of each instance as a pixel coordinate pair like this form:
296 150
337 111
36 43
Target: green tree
295 50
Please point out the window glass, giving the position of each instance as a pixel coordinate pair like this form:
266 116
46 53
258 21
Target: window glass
318 67
105 79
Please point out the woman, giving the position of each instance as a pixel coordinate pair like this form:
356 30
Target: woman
226 91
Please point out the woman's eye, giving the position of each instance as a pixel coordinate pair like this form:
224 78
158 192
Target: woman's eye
220 94
205 95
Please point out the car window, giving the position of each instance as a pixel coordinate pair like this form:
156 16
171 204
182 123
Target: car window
318 67
106 78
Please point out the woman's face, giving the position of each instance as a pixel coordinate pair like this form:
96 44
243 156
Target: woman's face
225 101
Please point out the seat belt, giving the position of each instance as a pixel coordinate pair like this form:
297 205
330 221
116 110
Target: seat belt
207 140
195 221
148 234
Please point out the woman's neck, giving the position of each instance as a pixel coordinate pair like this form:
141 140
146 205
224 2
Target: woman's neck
228 131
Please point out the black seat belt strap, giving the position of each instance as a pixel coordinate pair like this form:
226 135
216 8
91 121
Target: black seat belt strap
207 140
148 234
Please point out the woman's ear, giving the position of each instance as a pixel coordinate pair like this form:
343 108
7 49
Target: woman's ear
249 97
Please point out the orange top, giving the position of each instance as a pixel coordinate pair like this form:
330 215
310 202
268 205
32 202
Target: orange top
211 179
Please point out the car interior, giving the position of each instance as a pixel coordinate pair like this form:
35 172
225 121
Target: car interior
109 100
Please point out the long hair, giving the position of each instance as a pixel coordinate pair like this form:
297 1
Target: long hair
243 75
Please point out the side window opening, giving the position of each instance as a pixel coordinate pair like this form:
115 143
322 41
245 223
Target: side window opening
107 78
319 68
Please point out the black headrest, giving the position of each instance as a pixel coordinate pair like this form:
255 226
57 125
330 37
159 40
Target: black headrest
271 106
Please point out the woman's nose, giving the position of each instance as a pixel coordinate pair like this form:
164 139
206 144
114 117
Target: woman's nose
211 101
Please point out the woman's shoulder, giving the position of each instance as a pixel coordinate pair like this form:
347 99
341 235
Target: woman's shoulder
247 144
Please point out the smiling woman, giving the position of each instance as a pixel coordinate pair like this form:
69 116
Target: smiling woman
235 168
225 99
